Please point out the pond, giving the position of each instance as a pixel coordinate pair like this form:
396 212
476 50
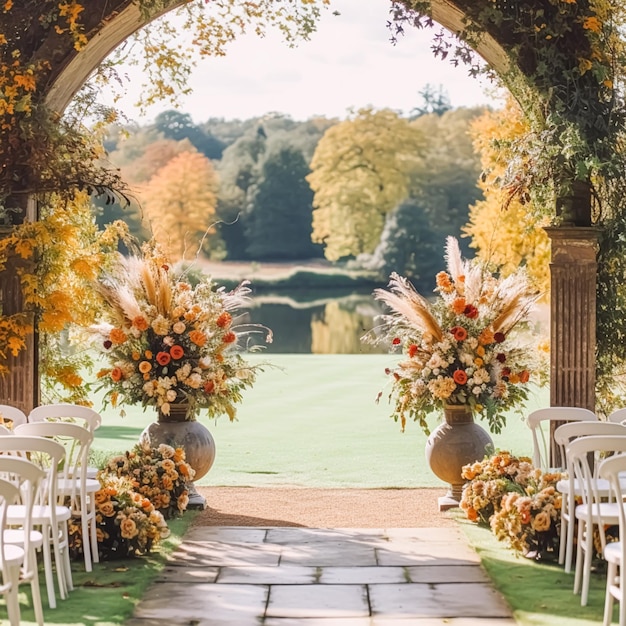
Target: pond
324 323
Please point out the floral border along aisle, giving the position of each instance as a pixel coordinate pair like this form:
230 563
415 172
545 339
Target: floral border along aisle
517 501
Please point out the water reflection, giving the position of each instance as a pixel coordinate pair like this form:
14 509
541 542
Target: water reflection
326 324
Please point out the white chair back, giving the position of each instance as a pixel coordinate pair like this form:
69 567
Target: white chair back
11 416
612 470
11 557
28 478
542 449
584 455
617 416
49 455
72 413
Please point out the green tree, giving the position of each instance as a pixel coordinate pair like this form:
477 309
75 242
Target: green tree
179 201
279 222
178 126
238 172
360 172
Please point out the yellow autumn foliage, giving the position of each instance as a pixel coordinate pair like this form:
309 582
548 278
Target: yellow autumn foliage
504 231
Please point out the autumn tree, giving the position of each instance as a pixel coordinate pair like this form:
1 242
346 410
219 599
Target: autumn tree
361 171
504 231
179 201
442 188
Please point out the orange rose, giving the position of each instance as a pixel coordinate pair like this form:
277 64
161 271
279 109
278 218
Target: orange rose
128 528
117 374
145 367
197 337
486 337
209 386
459 377
458 306
118 336
224 319
177 352
524 376
148 354
163 358
140 323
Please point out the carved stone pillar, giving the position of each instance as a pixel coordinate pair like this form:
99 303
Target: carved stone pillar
573 271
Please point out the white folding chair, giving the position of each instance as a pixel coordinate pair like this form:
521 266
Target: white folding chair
74 488
11 557
612 470
594 509
617 416
11 416
569 487
541 444
27 477
48 515
73 413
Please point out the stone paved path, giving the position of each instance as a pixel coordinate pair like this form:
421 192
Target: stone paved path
236 576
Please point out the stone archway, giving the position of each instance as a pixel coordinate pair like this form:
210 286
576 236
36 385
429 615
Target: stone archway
109 22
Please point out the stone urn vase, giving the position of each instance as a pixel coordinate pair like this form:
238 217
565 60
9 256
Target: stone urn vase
179 429
456 442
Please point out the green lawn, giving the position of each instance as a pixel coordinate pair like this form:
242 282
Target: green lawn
312 420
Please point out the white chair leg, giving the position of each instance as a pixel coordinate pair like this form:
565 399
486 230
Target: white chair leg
59 565
86 534
13 604
562 542
67 566
95 557
579 557
47 568
34 589
569 546
584 594
611 573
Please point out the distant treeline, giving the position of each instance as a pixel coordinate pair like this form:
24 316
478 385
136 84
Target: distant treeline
376 191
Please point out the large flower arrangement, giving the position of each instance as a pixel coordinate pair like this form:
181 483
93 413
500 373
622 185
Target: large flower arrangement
159 474
472 346
517 500
169 342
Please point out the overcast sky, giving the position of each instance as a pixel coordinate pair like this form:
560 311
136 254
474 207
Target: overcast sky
349 63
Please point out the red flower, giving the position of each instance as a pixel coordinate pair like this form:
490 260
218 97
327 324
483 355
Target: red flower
229 337
459 377
499 337
524 376
460 334
471 311
506 372
177 352
396 341
209 386
107 344
412 350
163 358
501 357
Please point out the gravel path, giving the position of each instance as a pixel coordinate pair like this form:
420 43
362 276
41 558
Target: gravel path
322 508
